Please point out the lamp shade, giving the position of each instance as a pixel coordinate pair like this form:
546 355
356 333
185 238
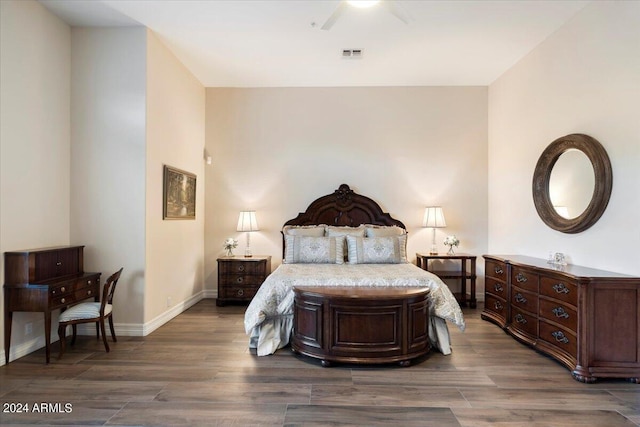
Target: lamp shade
247 221
434 217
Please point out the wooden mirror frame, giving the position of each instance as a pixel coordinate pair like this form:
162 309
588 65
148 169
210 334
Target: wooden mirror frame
602 186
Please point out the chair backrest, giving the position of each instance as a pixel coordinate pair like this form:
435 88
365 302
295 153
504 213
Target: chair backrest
108 290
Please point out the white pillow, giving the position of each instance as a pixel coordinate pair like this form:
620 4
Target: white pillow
383 230
377 250
334 231
313 250
304 230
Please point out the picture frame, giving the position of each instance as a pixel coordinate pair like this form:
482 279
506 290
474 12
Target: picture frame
179 194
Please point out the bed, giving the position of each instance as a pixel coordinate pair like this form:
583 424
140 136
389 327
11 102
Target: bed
343 239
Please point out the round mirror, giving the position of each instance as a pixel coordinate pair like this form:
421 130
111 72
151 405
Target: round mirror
572 183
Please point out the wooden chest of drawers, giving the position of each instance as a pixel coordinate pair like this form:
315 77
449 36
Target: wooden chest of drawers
239 277
587 319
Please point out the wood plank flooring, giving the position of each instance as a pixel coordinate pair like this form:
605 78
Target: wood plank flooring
197 370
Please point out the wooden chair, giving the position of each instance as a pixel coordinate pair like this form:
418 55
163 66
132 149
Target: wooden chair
89 312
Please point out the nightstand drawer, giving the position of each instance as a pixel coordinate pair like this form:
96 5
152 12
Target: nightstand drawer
240 293
236 280
243 267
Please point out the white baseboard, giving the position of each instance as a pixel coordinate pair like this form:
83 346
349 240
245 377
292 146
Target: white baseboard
122 329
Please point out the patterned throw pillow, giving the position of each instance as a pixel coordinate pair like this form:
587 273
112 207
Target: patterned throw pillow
383 230
313 250
377 250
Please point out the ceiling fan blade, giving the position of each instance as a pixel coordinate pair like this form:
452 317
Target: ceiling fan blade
334 16
398 11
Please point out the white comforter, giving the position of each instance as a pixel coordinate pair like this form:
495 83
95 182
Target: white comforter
268 319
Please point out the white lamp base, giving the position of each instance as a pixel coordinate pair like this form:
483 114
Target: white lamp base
247 251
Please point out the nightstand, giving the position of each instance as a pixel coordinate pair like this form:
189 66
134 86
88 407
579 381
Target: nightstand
240 277
464 273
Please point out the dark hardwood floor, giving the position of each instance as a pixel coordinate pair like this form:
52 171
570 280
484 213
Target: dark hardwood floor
197 370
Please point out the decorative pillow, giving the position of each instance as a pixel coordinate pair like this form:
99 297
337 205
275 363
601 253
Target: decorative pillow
304 230
335 231
377 250
313 250
383 230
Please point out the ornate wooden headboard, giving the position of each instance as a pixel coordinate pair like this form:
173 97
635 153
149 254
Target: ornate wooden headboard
344 207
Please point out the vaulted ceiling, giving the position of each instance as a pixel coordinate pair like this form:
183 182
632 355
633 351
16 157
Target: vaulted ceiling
281 43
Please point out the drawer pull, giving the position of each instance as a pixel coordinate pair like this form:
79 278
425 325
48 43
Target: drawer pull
497 305
521 278
240 279
561 288
58 263
63 300
520 319
520 298
89 292
88 282
498 287
559 312
498 270
240 292
241 268
62 289
559 336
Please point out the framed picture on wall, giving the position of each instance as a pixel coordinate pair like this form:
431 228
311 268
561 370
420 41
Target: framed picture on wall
179 199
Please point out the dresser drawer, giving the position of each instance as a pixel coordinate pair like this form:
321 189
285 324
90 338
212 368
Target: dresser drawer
563 290
524 279
560 338
524 300
496 288
496 305
497 270
243 267
524 322
557 312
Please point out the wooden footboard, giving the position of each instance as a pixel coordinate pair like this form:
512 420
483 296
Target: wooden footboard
361 325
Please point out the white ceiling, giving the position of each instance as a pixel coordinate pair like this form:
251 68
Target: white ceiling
279 43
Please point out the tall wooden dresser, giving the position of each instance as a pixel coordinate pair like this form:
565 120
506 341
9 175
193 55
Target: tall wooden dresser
44 280
587 319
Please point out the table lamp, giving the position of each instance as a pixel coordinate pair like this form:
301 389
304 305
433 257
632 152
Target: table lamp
434 218
247 222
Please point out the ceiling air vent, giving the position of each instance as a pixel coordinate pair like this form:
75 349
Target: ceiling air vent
351 53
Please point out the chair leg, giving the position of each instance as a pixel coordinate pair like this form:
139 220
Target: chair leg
75 332
98 330
104 335
113 332
62 329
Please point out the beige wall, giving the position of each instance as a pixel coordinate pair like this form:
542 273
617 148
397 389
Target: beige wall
175 136
276 150
34 142
585 78
108 149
